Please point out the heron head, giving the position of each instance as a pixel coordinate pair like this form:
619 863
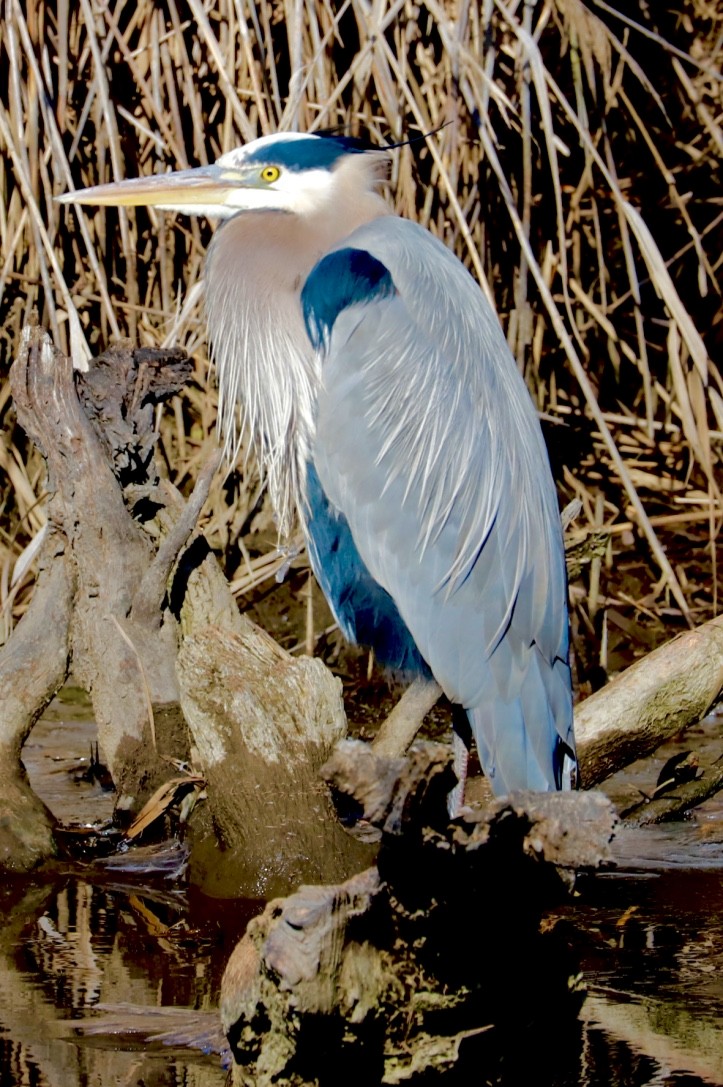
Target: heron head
287 172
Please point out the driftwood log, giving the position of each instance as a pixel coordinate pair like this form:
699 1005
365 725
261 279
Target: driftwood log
432 959
124 579
673 804
652 700
95 554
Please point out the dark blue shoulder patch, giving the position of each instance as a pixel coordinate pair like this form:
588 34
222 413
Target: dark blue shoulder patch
346 277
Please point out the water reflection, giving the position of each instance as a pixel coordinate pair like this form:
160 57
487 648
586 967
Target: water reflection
91 972
75 955
652 954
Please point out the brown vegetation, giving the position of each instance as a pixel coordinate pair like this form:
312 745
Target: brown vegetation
577 173
570 155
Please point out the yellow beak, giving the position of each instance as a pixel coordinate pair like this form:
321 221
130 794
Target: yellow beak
206 185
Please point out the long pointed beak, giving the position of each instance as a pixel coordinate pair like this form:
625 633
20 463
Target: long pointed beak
205 186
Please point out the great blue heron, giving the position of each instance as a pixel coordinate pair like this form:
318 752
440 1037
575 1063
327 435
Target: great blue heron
388 413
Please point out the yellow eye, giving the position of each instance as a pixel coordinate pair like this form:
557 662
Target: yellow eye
270 173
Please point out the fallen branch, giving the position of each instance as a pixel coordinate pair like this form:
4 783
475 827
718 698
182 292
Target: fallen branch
652 700
674 804
147 604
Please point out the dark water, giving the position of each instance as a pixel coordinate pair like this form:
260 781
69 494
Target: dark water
651 955
91 967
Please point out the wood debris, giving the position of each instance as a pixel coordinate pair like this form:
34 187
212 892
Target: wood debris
395 967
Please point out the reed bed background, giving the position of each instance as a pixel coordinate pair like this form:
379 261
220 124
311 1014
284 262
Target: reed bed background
569 152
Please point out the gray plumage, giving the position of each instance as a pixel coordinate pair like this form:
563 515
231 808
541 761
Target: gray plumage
428 442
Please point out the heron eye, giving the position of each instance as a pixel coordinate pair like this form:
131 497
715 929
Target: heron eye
270 173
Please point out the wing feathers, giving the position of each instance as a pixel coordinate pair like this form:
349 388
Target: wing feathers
428 444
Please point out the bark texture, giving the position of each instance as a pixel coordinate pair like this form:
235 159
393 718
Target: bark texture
263 723
652 700
401 969
125 579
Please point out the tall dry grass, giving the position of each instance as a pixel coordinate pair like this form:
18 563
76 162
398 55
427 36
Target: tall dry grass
568 152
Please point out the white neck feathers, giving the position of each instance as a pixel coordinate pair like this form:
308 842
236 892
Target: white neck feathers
257 265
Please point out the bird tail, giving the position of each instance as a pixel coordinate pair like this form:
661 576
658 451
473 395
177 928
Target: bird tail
526 742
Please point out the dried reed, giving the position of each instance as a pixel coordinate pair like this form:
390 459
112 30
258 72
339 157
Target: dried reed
569 152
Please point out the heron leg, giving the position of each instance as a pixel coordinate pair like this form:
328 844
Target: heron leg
461 744
455 799
403 723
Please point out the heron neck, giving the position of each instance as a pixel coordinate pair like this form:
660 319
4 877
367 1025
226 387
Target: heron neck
257 265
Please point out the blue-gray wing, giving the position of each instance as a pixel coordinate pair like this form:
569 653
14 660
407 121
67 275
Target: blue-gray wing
428 446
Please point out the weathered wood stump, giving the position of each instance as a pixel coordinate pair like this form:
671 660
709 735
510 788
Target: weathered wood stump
263 724
95 433
426 960
124 579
